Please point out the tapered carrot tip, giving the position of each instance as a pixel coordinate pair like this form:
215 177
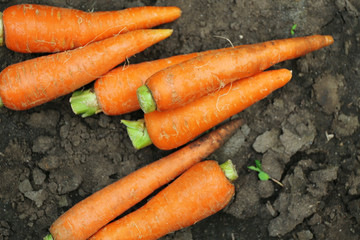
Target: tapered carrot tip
146 100
1 30
229 170
85 103
138 133
329 40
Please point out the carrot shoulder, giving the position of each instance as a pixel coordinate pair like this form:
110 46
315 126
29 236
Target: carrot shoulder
33 82
173 128
201 191
52 29
182 83
89 215
115 92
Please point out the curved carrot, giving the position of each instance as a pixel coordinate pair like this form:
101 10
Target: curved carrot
173 128
182 83
115 92
32 28
39 80
89 215
200 192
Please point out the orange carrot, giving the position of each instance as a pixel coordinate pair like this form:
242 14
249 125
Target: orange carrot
182 83
173 128
115 92
36 81
89 215
201 191
32 28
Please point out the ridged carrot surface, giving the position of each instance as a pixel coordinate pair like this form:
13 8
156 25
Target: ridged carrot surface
116 90
36 81
173 128
89 215
180 84
198 193
32 28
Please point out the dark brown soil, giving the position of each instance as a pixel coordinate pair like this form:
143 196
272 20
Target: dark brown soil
306 134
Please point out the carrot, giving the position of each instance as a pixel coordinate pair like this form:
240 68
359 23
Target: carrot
115 92
200 192
182 83
173 128
52 29
89 215
36 81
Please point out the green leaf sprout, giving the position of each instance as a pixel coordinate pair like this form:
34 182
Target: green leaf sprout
263 176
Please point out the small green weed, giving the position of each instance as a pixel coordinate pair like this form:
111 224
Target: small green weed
292 30
263 176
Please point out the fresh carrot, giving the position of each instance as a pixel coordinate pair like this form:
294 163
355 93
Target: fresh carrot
36 81
198 193
33 28
115 92
92 213
180 84
173 128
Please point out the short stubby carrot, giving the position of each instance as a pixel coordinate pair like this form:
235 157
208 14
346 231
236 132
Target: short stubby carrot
180 84
198 193
173 128
33 28
115 92
86 217
33 82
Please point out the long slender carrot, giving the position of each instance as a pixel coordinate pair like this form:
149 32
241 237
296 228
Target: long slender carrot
89 215
173 128
32 28
182 83
36 81
201 191
115 92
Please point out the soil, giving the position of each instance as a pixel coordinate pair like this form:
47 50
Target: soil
306 134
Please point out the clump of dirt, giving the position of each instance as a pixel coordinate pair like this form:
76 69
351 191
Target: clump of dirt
306 134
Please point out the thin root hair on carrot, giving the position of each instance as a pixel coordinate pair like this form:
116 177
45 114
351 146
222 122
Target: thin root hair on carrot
227 39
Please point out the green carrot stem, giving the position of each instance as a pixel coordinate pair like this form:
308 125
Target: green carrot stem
229 170
1 103
137 133
85 103
48 237
146 100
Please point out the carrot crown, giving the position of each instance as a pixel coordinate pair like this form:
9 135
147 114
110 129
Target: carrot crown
138 133
84 103
1 103
229 170
146 100
48 237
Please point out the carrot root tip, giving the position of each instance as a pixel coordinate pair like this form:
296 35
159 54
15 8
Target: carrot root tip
1 30
84 103
229 170
48 237
146 100
138 133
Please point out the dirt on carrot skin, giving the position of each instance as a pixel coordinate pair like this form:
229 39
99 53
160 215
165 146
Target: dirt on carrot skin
306 134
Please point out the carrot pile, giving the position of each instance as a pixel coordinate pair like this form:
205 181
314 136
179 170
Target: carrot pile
181 96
